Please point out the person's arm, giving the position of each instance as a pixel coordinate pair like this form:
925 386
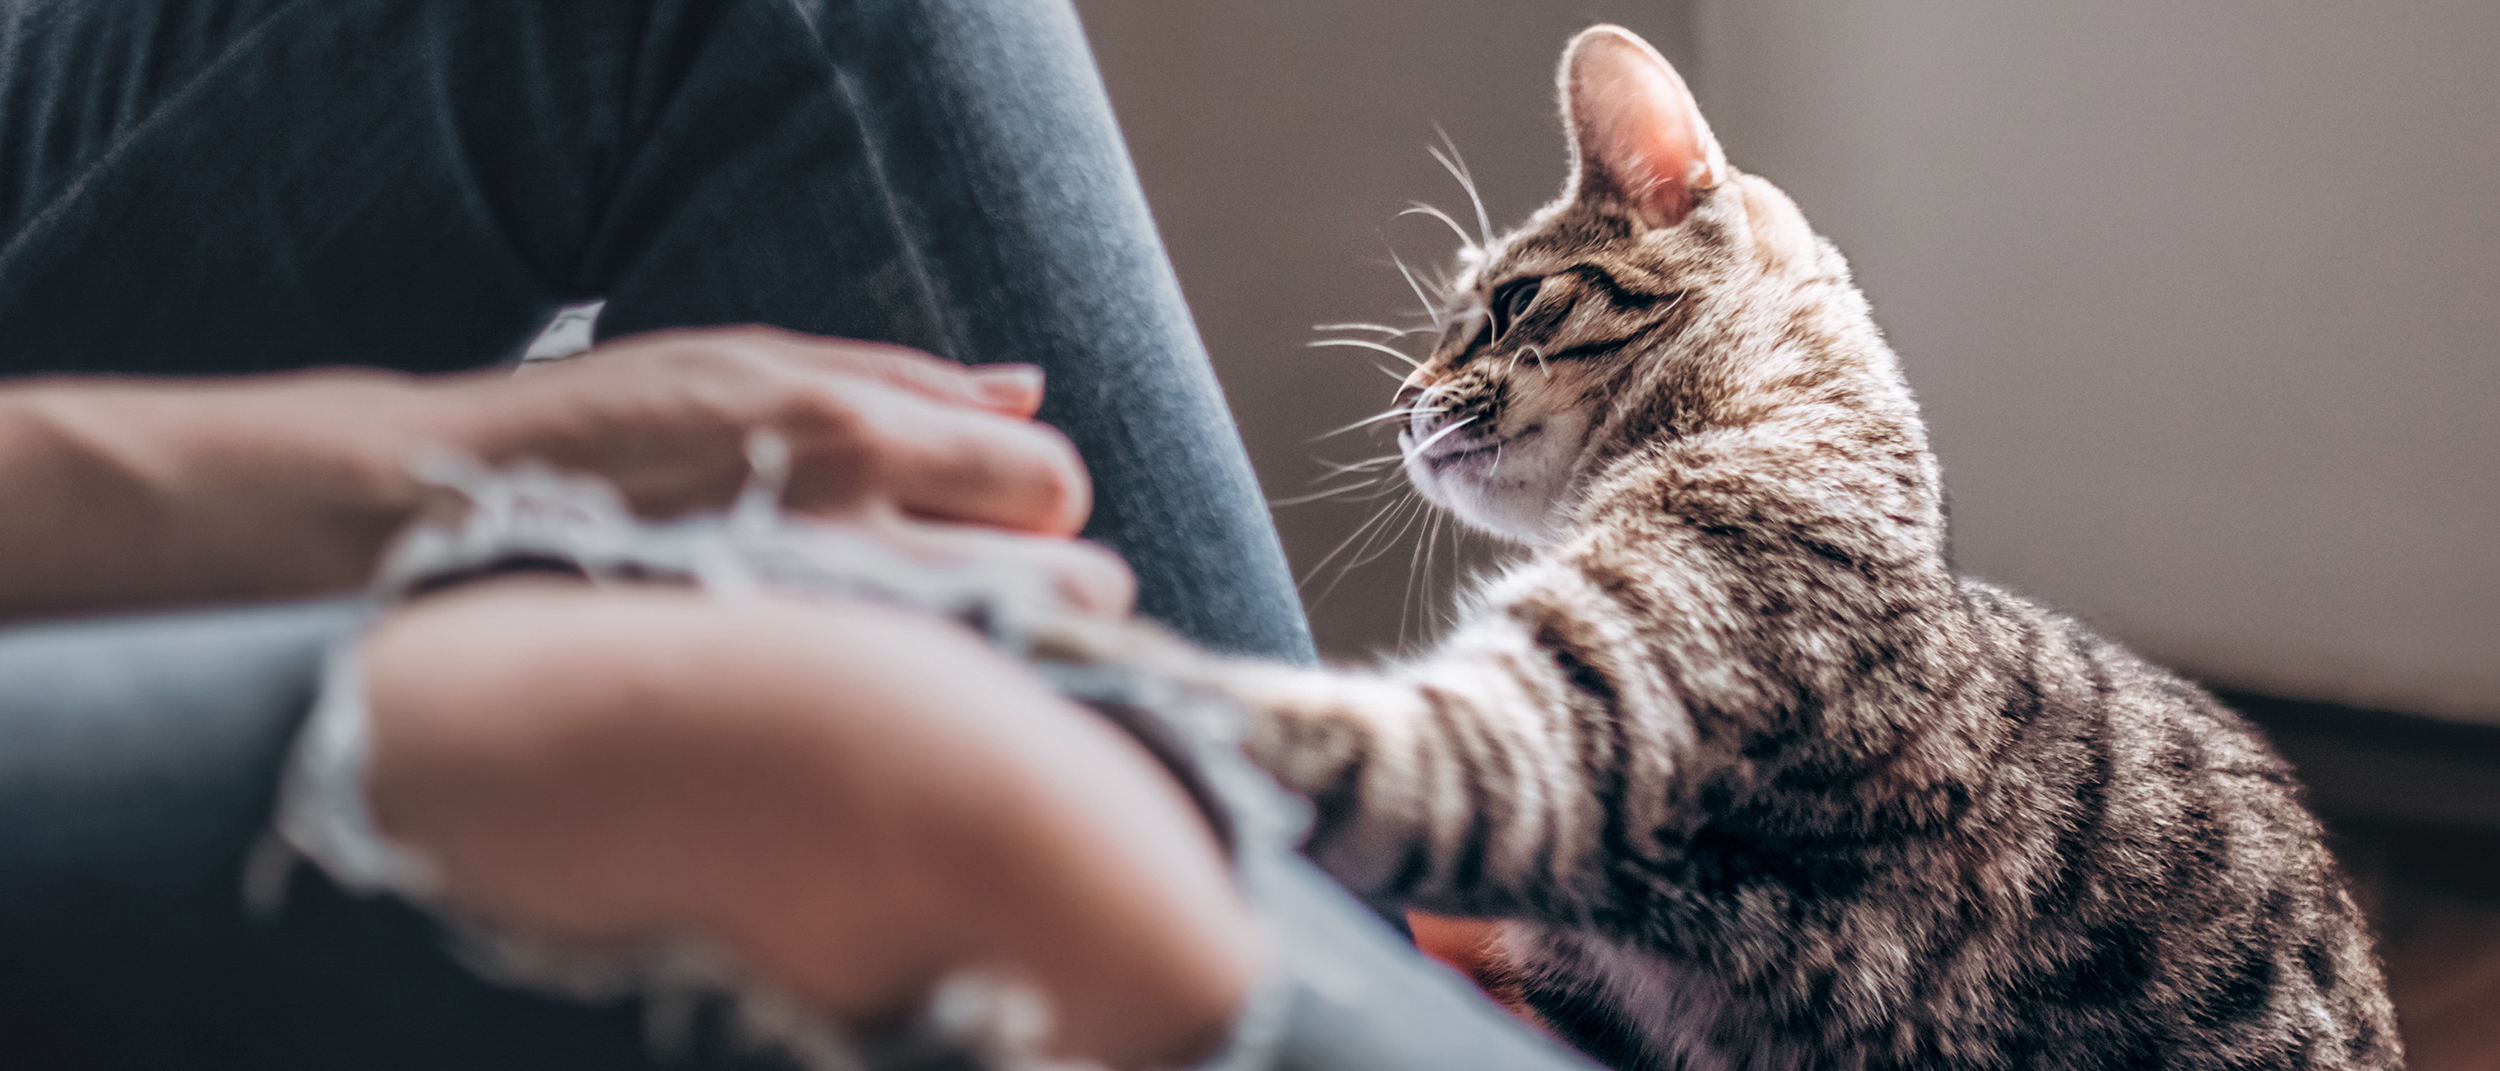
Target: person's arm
128 493
851 800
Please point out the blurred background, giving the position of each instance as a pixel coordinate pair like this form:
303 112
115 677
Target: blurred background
2202 301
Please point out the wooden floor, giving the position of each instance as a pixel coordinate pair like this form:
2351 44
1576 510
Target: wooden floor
2414 804
2435 895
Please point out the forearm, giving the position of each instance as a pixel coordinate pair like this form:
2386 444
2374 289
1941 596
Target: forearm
129 493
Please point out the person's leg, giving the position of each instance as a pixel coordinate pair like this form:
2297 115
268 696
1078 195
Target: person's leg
415 185
142 760
194 186
141 765
214 186
961 157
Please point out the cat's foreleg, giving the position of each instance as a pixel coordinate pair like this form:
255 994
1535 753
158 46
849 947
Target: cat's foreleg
1510 773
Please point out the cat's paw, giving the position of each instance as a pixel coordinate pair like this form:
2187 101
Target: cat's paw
1313 730
1309 729
1124 643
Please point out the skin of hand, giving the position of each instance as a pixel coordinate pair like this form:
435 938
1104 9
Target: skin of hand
173 492
850 800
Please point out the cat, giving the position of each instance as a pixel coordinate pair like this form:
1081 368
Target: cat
1754 780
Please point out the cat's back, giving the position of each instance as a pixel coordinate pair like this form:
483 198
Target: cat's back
2169 867
2135 882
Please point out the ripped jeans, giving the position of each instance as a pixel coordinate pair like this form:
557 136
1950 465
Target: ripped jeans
222 186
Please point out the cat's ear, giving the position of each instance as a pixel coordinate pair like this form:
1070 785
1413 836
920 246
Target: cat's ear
1637 138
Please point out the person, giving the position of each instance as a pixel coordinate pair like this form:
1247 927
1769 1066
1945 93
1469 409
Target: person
851 799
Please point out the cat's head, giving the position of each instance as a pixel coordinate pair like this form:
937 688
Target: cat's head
1629 310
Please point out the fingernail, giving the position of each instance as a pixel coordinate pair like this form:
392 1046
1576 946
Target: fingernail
1008 384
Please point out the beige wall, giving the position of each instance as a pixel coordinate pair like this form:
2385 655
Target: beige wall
2201 303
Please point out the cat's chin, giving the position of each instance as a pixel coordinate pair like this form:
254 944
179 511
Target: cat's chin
1507 485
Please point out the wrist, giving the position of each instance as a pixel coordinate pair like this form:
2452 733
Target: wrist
295 482
660 441
138 493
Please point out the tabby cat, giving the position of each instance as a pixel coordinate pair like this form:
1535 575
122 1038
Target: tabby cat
1754 778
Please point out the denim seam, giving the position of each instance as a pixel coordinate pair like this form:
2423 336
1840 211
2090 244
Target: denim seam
121 143
872 151
892 207
448 123
593 260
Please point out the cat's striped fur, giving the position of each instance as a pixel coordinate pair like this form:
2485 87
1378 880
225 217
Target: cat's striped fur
1760 781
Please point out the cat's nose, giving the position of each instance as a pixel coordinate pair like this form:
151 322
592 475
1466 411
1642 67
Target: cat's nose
1411 394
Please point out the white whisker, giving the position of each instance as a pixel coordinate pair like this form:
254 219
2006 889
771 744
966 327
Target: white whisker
1374 526
1418 208
1393 332
1375 418
1377 516
1439 435
1369 464
1431 551
1344 491
1430 309
1387 538
1437 279
1366 344
1459 535
1419 564
1456 165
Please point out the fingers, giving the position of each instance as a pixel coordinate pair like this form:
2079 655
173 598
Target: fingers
933 440
1083 575
933 460
665 416
1011 389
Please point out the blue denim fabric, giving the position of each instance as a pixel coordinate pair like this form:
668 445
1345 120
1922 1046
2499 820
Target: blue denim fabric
212 186
139 762
218 186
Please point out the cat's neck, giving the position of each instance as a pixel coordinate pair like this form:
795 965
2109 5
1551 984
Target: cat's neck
1795 408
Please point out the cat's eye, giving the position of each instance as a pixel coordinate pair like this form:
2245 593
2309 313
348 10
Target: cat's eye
1511 301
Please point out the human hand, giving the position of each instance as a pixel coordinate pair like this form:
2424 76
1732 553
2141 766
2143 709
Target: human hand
873 428
134 493
851 801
